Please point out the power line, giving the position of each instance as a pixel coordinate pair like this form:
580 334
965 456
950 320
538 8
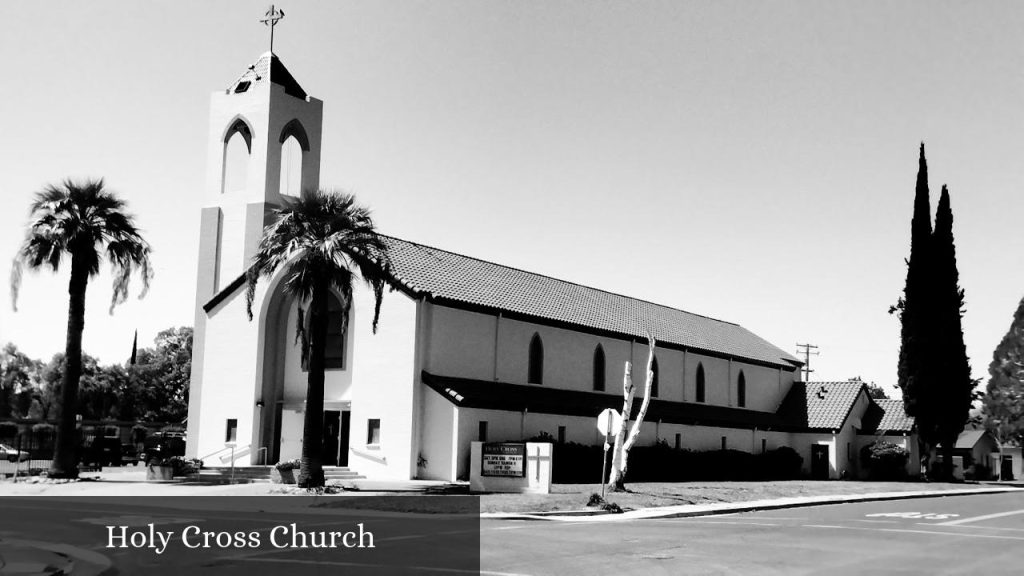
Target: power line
807 358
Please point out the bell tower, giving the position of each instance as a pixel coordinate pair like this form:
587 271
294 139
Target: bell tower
263 146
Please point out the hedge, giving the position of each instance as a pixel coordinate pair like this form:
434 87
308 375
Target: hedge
578 464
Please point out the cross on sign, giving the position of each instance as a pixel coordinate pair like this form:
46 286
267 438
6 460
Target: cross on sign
270 19
537 459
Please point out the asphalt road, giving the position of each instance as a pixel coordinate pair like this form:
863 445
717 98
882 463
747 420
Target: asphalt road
982 534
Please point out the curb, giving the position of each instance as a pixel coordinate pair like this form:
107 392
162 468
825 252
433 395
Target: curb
692 510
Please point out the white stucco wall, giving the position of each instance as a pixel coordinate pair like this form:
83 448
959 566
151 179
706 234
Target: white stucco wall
385 377
484 347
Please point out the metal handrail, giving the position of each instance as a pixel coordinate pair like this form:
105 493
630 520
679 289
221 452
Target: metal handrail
212 454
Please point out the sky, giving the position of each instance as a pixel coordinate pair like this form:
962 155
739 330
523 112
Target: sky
753 162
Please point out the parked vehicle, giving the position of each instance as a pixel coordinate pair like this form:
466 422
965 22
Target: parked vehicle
130 455
12 454
101 451
163 445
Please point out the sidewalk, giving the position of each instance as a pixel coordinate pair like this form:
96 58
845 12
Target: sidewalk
687 510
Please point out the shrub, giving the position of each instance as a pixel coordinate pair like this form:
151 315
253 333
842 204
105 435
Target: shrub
979 472
139 433
44 429
182 466
884 460
285 465
8 429
782 463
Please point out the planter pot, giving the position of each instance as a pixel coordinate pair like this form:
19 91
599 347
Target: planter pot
158 473
282 476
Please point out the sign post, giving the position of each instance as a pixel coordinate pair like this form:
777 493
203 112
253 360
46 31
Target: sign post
607 421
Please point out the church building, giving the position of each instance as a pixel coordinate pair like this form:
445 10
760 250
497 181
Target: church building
466 349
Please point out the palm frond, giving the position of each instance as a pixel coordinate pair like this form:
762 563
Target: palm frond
79 219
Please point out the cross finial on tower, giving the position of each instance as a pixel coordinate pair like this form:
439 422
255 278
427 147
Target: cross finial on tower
270 19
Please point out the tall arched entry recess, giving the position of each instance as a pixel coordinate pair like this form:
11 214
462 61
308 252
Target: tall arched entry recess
282 388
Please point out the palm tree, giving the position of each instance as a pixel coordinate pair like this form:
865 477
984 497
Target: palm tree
85 222
321 240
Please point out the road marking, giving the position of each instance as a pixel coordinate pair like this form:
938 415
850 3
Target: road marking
729 522
912 515
980 518
888 522
909 531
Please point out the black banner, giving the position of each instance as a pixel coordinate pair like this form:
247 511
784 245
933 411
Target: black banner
248 535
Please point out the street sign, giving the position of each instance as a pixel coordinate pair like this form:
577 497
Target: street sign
608 421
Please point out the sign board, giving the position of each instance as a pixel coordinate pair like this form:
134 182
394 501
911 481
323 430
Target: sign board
503 459
608 421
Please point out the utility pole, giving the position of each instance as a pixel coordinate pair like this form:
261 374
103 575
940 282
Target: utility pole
807 358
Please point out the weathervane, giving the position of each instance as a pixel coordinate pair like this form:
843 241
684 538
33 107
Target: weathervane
270 19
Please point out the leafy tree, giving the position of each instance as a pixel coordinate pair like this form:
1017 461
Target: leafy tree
17 374
1003 403
320 242
953 385
159 380
82 222
877 392
915 370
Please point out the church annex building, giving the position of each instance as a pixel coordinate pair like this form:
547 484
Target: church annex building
466 349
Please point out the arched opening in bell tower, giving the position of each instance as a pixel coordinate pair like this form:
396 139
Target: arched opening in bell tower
237 151
294 144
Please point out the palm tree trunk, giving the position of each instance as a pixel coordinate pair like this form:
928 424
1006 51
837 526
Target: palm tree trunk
65 455
311 471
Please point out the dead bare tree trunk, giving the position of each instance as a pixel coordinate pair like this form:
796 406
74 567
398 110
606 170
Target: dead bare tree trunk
623 442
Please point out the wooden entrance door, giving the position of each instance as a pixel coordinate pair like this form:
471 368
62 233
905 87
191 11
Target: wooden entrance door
346 423
332 428
819 461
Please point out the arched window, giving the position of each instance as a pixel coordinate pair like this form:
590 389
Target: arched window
599 368
741 391
535 372
700 383
334 345
291 167
294 142
654 378
237 146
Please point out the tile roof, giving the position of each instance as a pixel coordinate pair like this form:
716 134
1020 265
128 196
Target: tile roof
269 68
469 393
893 418
968 438
447 276
819 405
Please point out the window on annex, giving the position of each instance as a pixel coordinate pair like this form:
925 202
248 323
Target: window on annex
373 432
700 383
654 378
482 432
679 441
724 443
561 434
599 365
741 391
231 431
535 370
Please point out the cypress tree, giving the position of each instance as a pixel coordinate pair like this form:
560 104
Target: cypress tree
914 312
952 387
1004 396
